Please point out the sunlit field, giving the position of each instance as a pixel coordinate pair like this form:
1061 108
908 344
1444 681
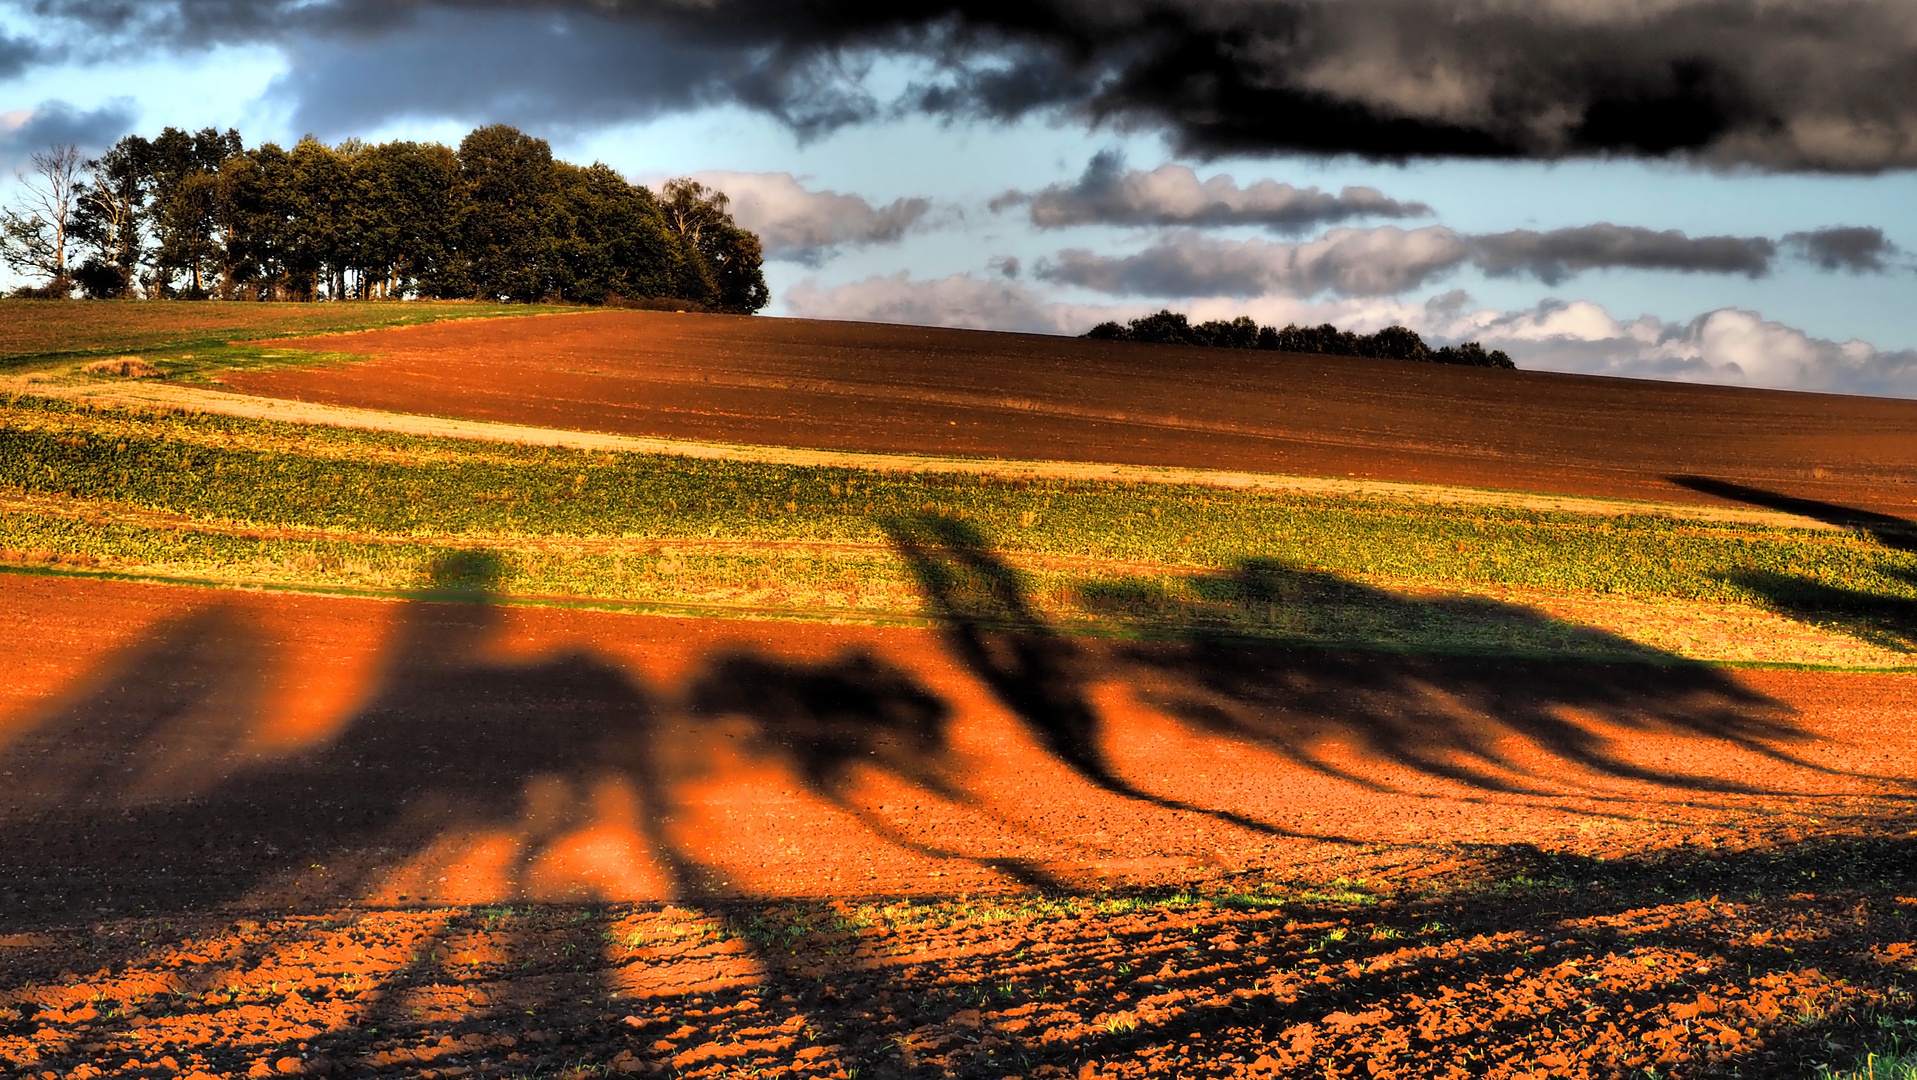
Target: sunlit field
331 751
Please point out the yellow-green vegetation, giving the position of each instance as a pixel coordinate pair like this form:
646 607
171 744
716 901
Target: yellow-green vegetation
33 331
1874 1067
224 500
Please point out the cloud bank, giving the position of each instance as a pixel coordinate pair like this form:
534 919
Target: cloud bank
1728 346
1785 84
1109 194
1352 262
18 54
959 300
1553 256
1386 260
810 226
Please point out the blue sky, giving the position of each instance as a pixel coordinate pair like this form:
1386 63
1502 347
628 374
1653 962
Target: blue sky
919 238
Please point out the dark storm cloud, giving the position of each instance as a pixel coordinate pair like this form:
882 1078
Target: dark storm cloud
1796 84
1110 194
28 130
18 54
549 71
1854 248
1553 256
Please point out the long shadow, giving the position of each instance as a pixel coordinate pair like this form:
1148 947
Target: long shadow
1889 621
140 796
825 720
140 783
1442 716
1890 531
1039 674
1446 715
135 785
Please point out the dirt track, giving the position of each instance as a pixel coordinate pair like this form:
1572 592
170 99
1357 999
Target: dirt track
851 386
256 809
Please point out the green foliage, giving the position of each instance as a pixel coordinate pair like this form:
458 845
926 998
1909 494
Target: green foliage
39 331
505 220
197 215
1391 343
724 261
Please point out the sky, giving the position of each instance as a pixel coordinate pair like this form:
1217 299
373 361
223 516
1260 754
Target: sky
1704 190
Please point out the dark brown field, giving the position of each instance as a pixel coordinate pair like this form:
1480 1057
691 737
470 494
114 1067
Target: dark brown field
854 386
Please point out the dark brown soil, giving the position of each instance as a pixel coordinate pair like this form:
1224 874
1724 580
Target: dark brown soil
246 833
852 386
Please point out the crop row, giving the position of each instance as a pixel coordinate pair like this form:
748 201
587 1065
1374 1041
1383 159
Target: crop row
588 524
520 491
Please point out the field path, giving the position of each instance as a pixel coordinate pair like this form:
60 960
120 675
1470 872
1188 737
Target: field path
154 394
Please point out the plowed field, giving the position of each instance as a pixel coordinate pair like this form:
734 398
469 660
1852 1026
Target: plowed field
849 386
243 834
459 834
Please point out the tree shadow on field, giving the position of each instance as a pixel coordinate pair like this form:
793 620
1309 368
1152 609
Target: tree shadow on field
147 795
145 789
1042 676
1447 716
1443 716
1887 621
153 780
1890 531
854 712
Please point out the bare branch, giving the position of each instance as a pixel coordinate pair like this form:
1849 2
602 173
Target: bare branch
33 235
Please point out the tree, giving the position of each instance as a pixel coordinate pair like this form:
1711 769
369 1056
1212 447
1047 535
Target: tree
1397 343
405 200
725 267
35 238
109 220
1390 343
182 184
615 241
506 226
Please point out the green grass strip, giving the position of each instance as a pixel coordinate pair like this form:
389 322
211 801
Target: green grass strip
1266 562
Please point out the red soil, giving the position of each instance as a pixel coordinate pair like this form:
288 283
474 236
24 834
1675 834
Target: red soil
851 386
256 832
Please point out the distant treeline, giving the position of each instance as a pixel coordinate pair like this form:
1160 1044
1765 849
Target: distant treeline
195 216
1391 343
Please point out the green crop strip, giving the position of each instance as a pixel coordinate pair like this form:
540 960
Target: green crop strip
33 331
588 524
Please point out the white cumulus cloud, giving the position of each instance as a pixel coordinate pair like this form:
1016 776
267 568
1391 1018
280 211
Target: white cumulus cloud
1729 346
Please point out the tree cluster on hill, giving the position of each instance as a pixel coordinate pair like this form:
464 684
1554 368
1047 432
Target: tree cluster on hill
1391 343
197 216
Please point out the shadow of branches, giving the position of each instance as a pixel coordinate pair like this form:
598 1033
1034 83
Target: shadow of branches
1442 716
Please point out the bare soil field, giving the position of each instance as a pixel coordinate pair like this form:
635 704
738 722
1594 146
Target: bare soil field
849 386
247 834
